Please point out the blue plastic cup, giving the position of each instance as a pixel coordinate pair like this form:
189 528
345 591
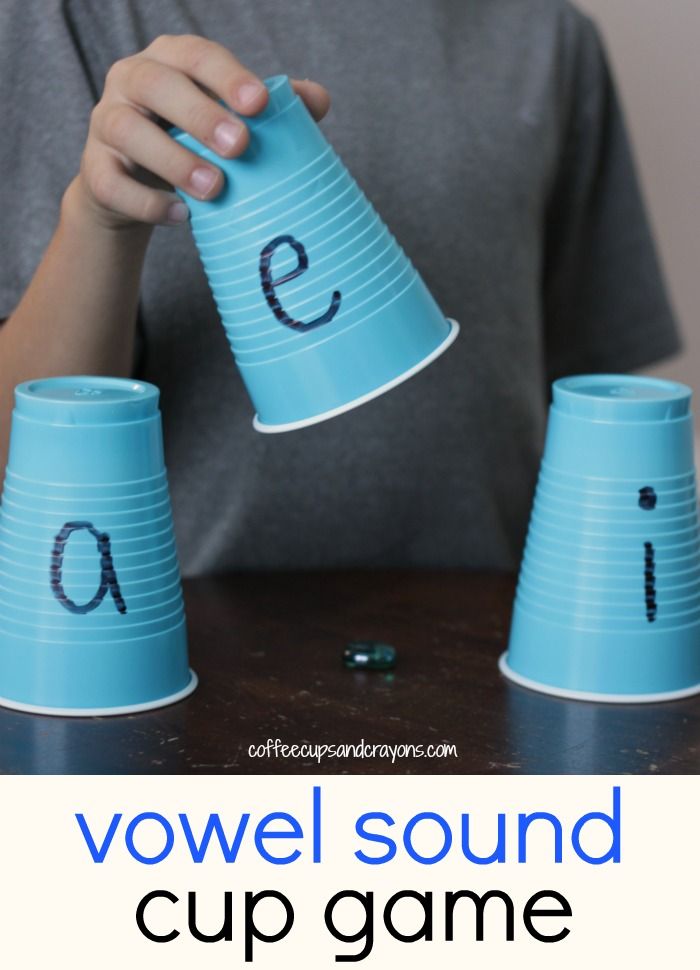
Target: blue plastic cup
91 611
608 600
286 202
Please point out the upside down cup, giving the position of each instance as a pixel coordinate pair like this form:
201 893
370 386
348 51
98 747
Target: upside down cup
608 600
91 611
322 308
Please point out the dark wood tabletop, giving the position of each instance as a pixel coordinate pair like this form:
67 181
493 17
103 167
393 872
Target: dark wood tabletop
267 648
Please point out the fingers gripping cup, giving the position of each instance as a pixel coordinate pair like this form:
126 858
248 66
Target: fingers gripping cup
322 308
91 611
608 599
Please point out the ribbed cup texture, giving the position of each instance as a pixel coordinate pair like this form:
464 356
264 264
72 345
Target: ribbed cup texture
91 609
608 597
320 304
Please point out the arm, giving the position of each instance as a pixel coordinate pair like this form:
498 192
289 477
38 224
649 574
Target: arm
78 314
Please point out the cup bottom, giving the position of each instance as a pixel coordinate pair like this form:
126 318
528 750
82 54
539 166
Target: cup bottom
593 696
626 666
104 711
83 678
364 398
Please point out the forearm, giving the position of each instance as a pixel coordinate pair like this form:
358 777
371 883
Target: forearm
78 314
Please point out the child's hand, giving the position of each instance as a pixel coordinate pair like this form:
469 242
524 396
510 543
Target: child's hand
127 146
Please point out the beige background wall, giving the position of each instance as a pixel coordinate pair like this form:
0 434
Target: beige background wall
653 46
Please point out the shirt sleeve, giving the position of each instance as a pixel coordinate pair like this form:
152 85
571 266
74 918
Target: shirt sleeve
45 108
605 302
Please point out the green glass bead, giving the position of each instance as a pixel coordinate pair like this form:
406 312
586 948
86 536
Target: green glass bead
369 655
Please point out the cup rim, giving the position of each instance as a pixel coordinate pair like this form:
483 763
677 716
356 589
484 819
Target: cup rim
282 428
595 697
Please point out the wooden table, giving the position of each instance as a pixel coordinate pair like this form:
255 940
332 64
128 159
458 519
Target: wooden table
268 649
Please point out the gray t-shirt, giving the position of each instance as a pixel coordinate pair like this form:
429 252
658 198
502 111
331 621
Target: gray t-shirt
488 136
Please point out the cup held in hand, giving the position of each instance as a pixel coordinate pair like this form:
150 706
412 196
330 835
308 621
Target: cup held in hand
322 308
